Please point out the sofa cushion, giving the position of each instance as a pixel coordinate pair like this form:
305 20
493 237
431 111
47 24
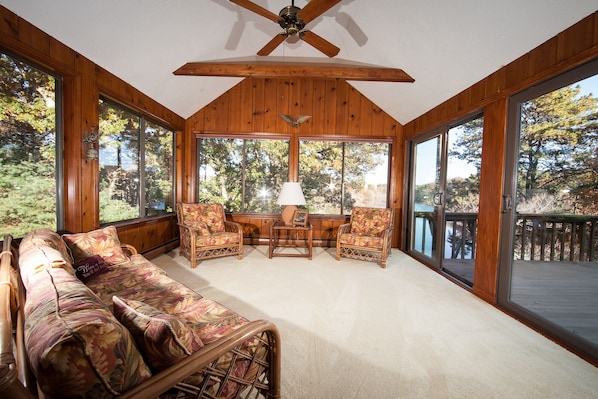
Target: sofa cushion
45 238
103 242
76 347
39 250
162 338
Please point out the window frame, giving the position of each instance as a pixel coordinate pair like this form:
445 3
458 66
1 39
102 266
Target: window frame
58 135
294 141
142 118
252 136
352 139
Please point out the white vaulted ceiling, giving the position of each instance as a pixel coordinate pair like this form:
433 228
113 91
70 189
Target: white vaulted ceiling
445 45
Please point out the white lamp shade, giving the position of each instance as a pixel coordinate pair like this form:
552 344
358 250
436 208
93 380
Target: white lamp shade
291 194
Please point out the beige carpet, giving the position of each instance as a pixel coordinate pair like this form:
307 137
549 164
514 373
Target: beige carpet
353 330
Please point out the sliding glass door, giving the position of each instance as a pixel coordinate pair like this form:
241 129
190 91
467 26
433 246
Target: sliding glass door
444 197
549 252
426 196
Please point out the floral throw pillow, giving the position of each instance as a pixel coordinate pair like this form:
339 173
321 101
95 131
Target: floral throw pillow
162 338
103 242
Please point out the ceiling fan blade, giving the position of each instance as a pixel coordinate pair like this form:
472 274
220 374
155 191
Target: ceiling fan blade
315 8
251 6
320 43
272 44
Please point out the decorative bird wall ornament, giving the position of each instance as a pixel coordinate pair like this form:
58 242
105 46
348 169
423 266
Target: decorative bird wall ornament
295 122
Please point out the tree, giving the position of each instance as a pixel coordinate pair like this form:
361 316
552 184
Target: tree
27 148
558 142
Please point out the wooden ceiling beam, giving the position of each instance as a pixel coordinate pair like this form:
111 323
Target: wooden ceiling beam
270 70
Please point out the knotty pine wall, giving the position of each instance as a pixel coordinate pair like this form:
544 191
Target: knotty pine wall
572 47
338 110
83 82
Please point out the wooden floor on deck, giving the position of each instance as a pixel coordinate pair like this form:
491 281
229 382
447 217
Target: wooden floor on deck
565 293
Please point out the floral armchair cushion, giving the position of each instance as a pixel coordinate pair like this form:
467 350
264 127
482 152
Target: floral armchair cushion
208 218
370 221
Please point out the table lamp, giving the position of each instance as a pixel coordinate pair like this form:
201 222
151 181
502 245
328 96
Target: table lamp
290 195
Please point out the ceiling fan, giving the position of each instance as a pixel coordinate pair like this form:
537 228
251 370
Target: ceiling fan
293 19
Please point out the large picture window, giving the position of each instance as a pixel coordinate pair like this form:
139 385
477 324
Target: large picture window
337 175
245 175
136 165
30 145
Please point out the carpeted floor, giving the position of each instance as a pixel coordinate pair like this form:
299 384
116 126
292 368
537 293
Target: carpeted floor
353 330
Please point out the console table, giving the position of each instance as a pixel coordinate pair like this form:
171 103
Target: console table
291 239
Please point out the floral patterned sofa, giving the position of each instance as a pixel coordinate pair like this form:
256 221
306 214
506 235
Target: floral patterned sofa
103 322
367 236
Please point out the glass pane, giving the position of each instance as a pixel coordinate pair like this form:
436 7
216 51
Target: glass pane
426 197
366 175
555 255
27 148
119 166
243 175
462 198
320 174
159 170
336 176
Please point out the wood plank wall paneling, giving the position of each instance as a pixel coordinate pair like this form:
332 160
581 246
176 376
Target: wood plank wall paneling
572 47
83 81
254 106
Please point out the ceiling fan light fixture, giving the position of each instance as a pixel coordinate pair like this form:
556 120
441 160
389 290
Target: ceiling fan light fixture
290 21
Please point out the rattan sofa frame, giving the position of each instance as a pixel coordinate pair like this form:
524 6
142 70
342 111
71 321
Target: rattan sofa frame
17 381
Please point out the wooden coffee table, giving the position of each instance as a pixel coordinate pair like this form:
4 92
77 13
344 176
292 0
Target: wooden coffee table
282 235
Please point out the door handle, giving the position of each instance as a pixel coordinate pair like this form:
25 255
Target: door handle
438 199
507 203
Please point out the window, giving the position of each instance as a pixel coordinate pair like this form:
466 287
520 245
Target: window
30 145
136 165
244 175
338 175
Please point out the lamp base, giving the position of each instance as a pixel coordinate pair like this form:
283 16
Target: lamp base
287 214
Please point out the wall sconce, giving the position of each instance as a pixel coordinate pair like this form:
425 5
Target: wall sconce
90 140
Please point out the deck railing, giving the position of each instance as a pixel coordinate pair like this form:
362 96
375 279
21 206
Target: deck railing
569 238
564 238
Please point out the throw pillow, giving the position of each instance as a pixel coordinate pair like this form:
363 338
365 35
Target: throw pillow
90 267
103 242
163 339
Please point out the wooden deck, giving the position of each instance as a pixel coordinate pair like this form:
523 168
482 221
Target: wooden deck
565 293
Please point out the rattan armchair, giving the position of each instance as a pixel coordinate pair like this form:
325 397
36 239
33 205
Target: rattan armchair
205 232
368 235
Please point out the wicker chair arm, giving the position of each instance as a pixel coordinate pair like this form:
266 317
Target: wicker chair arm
232 227
171 376
344 228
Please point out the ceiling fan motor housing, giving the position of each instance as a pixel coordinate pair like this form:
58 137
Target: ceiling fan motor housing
290 21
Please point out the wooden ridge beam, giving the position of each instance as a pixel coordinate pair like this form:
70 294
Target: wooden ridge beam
270 70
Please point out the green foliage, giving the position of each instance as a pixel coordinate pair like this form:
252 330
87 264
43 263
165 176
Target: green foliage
243 175
333 174
558 149
27 148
